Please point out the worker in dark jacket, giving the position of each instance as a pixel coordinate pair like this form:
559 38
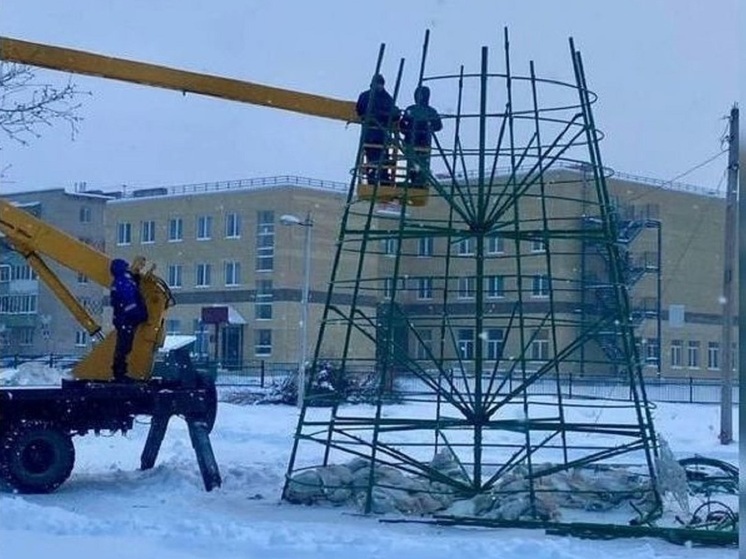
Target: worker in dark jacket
417 125
129 312
378 114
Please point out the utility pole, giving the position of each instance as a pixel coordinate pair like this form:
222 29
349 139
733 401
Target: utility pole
729 259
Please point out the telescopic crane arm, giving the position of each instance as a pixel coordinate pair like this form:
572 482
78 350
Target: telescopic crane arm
81 62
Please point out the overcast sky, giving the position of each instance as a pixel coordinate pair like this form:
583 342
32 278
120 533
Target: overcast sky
665 72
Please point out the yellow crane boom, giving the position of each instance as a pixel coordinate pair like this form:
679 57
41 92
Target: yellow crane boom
35 239
87 63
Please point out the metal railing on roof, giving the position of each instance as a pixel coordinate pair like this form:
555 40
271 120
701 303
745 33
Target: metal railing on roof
580 167
259 182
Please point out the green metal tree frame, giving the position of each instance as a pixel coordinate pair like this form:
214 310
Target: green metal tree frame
473 308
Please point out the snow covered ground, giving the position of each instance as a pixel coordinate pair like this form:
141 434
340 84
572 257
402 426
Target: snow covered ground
108 507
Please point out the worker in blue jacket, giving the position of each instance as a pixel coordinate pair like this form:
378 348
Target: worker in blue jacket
129 312
418 124
379 115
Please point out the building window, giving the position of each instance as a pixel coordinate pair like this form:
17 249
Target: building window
652 351
495 244
174 275
173 326
263 304
175 229
203 275
676 351
390 247
124 233
424 288
538 245
233 273
22 272
495 286
25 335
494 340
204 227
18 304
263 343
540 286
465 247
540 346
84 214
692 355
466 343
424 344
4 273
467 287
388 286
147 232
676 316
81 338
265 241
232 226
713 356
425 246
82 278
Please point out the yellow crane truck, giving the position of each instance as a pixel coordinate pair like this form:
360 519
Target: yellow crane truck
37 425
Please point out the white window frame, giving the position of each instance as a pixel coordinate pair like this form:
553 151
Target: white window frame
465 247
495 244
495 341
147 232
466 288
202 277
425 247
677 350
538 245
175 230
233 226
124 233
424 288
232 273
265 241
692 354
262 348
540 286
465 343
263 301
175 276
204 227
713 356
495 287
81 338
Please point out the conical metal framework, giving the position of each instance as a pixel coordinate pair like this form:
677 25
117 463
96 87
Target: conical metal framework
474 307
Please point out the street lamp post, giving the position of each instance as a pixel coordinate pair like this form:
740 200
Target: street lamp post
291 220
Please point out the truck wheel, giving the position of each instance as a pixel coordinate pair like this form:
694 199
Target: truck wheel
37 457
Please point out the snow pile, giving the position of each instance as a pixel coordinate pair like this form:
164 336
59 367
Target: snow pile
33 373
589 489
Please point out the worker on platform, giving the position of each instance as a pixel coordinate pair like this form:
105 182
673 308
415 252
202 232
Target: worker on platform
418 124
379 115
129 312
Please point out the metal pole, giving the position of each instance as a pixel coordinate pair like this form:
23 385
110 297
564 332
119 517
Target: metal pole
729 258
308 224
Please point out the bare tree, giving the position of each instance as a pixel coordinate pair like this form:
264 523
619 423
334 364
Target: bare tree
27 105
